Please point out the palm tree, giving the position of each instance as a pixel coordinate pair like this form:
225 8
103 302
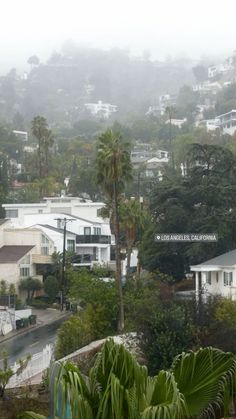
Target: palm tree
170 112
199 384
113 171
132 221
39 130
45 141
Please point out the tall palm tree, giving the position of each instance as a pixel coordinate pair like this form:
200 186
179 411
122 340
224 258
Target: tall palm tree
199 385
39 127
132 221
113 171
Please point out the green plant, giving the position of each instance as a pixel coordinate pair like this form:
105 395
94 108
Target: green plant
51 287
199 385
39 304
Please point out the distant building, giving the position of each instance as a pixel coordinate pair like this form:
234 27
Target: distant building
165 101
22 135
226 123
153 111
139 157
177 122
100 109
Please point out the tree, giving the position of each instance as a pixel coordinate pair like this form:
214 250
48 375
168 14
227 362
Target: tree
33 60
3 287
119 387
51 287
202 201
113 171
132 222
167 331
30 285
6 372
45 139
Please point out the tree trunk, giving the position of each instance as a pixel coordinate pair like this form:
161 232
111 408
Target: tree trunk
121 320
129 251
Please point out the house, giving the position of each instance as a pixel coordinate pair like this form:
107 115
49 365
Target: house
90 239
22 135
217 276
60 204
226 123
100 109
23 253
177 122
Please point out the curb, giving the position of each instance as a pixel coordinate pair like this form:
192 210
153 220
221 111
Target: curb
30 329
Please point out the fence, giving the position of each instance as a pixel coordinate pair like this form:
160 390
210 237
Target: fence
37 364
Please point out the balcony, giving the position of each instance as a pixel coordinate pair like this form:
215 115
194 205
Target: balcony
94 239
83 259
42 259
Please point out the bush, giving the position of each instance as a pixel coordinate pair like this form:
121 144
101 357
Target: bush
51 287
39 304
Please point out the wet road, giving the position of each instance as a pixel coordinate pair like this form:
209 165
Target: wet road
32 342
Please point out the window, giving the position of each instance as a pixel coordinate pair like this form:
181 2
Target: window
44 245
24 272
208 278
99 212
70 245
12 213
40 211
87 231
44 250
97 231
228 278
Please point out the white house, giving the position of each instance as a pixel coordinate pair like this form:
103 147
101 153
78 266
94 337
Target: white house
100 109
89 236
217 276
61 204
23 253
177 122
226 123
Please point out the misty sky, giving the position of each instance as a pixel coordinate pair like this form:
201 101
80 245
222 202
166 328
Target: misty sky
172 27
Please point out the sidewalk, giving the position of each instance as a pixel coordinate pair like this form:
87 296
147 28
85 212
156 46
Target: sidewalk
44 317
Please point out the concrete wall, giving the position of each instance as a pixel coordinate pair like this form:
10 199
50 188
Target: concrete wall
26 237
21 314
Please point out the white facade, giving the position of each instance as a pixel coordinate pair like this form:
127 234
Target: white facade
105 110
22 135
227 122
90 238
177 122
217 276
64 204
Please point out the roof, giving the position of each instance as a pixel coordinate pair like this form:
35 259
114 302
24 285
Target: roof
11 254
227 259
58 230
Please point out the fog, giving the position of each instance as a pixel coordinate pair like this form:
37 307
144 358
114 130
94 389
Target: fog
164 28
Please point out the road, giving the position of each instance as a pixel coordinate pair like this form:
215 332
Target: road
32 342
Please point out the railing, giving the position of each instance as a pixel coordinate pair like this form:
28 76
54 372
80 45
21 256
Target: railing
99 239
37 364
85 259
41 259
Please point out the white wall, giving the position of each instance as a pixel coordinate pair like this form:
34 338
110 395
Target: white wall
26 237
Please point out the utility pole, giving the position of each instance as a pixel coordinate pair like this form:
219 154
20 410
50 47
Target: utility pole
63 268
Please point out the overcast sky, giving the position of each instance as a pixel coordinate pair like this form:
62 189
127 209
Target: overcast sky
172 27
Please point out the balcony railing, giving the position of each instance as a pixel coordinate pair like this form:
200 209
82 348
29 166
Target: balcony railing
82 259
41 259
82 239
